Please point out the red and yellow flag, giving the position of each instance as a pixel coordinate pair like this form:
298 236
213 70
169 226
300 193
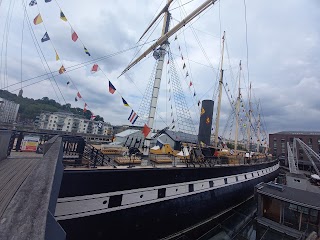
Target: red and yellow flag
37 19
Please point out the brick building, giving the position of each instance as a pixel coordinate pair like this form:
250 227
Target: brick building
278 143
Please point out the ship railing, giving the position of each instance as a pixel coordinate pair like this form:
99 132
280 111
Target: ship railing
96 158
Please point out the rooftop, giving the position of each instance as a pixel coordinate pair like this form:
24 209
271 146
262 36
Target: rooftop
297 133
182 137
127 132
292 195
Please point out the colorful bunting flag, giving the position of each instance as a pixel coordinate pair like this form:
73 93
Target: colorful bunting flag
37 19
146 130
92 117
168 61
94 68
182 57
74 35
86 51
199 103
133 117
194 94
62 16
78 95
45 37
125 103
112 89
85 107
184 66
176 37
57 57
32 3
62 69
68 83
190 84
76 99
187 74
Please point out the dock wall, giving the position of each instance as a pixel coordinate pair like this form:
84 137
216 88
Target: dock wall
5 136
29 214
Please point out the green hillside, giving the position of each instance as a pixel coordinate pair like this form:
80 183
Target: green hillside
30 108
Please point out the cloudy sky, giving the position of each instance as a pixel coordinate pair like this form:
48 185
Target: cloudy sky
283 55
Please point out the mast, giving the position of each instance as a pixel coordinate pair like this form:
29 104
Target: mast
158 54
168 34
249 120
220 94
237 113
258 129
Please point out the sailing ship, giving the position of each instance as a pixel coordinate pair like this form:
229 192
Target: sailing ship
148 202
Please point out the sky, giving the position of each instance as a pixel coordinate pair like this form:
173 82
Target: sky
278 43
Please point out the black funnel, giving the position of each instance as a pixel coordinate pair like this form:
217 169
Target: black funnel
205 122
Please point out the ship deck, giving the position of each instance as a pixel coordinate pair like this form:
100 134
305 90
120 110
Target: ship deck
13 172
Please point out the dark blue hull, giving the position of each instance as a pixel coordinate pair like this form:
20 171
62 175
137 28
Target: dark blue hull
160 215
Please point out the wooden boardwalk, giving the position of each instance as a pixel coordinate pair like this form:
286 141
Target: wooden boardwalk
13 172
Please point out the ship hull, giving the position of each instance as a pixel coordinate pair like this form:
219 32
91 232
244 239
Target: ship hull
151 203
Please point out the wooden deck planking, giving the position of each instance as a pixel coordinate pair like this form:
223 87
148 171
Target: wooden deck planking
13 172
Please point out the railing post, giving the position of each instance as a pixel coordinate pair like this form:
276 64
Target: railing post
95 158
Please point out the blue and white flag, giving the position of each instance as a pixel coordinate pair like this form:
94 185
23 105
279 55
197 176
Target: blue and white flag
45 37
32 3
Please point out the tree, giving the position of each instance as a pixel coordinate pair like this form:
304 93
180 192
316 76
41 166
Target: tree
98 118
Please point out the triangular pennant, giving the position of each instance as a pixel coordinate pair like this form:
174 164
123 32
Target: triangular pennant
62 16
125 102
194 94
187 74
37 19
45 37
32 3
94 68
78 95
62 69
176 37
74 35
184 66
190 84
86 51
57 56
112 89
76 99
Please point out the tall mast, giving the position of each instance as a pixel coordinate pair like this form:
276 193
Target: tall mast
249 120
237 112
168 34
220 94
258 129
159 54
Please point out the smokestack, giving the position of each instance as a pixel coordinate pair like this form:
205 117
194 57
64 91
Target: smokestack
205 122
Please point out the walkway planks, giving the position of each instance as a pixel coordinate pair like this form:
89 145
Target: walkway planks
13 172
